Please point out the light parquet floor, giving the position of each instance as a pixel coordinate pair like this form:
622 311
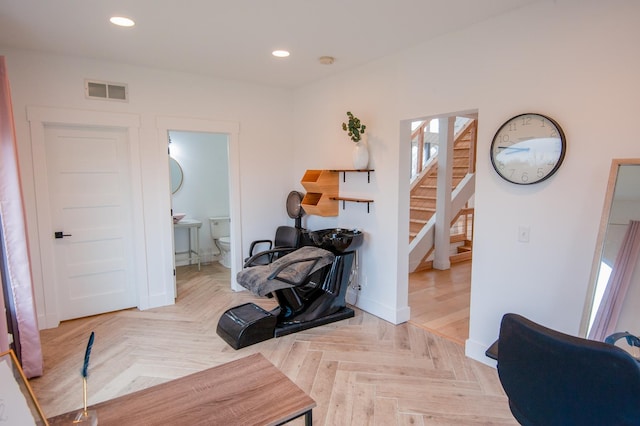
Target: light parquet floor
439 300
360 371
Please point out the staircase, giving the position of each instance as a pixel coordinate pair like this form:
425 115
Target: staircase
423 197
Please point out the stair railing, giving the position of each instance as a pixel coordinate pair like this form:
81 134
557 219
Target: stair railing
422 244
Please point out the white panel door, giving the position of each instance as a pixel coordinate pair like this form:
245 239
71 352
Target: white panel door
90 201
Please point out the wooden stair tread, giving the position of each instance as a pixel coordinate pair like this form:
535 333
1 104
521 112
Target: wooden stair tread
423 209
460 257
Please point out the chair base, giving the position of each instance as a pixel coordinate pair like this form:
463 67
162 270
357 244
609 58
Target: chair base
284 329
248 324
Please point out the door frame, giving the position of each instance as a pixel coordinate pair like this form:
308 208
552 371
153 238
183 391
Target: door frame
38 118
231 129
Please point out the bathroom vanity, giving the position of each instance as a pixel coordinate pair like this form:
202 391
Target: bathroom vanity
193 228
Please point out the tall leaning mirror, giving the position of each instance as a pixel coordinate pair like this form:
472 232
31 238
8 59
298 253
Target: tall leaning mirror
615 238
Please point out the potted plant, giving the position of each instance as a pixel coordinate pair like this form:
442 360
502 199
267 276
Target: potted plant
354 127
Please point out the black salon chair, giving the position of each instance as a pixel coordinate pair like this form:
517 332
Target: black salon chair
553 378
286 240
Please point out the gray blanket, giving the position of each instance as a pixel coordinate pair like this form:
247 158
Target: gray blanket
261 280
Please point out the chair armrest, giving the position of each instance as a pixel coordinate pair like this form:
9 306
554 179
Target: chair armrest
492 351
631 339
250 261
275 274
256 242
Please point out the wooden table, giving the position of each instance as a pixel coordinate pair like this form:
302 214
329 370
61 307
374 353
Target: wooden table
248 391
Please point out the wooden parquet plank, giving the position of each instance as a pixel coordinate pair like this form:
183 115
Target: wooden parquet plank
385 411
458 361
363 409
419 344
411 420
279 350
418 387
291 365
360 371
488 380
401 338
459 406
341 403
308 370
322 390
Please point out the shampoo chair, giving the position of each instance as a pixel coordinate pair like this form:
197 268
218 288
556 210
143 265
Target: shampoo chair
309 283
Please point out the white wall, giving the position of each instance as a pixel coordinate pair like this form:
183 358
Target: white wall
370 93
569 59
204 193
261 112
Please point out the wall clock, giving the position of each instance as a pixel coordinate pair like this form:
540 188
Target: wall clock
528 148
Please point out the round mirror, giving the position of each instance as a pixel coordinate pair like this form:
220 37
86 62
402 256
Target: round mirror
176 175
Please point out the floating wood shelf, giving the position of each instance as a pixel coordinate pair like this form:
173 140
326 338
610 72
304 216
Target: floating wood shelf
345 171
352 200
322 196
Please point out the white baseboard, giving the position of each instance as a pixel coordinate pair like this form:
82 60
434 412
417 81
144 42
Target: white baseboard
387 313
475 350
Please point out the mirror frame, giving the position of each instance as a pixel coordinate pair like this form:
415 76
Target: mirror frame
602 233
174 165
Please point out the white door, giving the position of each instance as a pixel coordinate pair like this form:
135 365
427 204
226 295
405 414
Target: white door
91 212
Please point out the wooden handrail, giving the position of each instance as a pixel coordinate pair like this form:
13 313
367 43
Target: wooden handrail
469 127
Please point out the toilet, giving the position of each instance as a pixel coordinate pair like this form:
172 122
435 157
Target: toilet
220 232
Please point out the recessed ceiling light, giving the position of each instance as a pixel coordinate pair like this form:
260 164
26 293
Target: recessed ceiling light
121 21
280 53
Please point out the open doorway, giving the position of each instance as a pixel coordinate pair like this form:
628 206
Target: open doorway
228 130
442 181
199 169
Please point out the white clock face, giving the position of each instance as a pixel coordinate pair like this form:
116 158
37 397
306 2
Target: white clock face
528 149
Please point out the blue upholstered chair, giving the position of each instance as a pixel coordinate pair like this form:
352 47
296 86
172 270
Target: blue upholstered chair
553 378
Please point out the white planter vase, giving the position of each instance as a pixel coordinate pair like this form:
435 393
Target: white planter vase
361 155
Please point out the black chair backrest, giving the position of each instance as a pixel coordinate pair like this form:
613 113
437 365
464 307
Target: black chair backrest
553 378
287 236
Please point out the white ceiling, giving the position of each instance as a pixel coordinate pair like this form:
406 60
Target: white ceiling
233 39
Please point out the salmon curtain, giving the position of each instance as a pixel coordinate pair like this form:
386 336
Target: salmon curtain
16 274
4 331
608 312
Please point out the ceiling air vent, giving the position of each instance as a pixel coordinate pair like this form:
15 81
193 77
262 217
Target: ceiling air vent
95 89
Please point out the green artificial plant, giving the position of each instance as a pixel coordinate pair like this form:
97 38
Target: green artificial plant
354 128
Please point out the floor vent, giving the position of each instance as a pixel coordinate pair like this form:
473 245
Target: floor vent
94 89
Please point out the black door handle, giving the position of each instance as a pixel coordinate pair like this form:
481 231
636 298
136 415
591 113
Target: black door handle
59 234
